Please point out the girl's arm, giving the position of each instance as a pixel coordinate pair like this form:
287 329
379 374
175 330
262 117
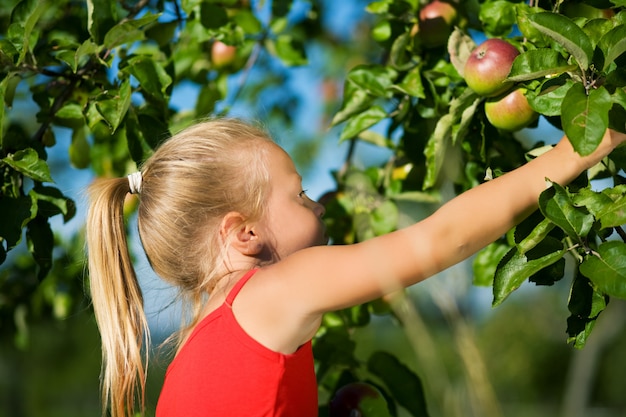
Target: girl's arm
339 276
319 279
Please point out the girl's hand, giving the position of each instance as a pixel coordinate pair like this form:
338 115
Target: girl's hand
610 141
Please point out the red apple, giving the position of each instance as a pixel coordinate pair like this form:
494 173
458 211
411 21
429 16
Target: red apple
222 54
358 399
511 112
488 66
436 20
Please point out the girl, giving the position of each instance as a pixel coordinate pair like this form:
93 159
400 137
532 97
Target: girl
223 217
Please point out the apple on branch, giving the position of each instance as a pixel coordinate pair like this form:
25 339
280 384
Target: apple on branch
222 54
358 399
436 20
488 67
510 112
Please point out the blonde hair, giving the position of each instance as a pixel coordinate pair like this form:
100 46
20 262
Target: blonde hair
191 181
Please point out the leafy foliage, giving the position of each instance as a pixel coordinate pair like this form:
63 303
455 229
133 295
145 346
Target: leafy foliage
106 71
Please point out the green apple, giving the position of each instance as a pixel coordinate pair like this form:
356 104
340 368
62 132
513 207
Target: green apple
488 67
510 112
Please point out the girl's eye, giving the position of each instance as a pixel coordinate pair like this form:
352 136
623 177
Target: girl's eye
302 193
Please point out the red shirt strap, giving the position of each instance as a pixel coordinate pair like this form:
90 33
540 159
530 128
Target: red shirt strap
238 286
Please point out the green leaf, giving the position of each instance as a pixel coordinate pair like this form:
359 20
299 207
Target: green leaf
384 218
290 50
40 242
549 100
101 17
79 150
613 213
538 63
411 84
375 79
536 236
585 305
51 201
70 115
564 31
556 204
613 43
405 386
114 110
460 46
607 268
15 214
362 121
27 162
128 31
449 130
436 149
498 17
152 77
486 262
355 100
212 16
585 117
26 14
516 267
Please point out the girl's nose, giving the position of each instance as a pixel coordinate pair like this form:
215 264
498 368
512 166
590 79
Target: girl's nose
319 209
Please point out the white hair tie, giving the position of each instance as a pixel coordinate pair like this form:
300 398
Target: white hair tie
134 182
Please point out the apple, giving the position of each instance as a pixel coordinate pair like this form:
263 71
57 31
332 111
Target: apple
488 66
222 54
435 23
511 112
358 399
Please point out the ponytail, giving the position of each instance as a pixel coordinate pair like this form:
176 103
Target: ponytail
117 300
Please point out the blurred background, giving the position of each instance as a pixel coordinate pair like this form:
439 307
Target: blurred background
510 361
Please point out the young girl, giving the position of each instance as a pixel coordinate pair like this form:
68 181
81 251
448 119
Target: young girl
223 217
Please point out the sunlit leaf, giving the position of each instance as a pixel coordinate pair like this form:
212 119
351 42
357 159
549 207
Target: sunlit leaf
556 204
549 100
607 268
584 116
538 63
26 14
52 202
290 50
114 110
564 31
128 31
384 218
27 162
614 44
101 16
460 46
486 262
362 121
516 267
152 77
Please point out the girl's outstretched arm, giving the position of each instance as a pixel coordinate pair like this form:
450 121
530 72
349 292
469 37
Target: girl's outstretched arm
339 276
324 278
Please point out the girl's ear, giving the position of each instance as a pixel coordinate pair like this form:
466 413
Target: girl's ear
240 235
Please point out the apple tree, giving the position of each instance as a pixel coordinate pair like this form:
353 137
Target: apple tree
449 109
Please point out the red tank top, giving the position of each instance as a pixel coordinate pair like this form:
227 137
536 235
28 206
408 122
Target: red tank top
222 371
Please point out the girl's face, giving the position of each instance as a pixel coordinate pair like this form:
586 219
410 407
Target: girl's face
292 221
